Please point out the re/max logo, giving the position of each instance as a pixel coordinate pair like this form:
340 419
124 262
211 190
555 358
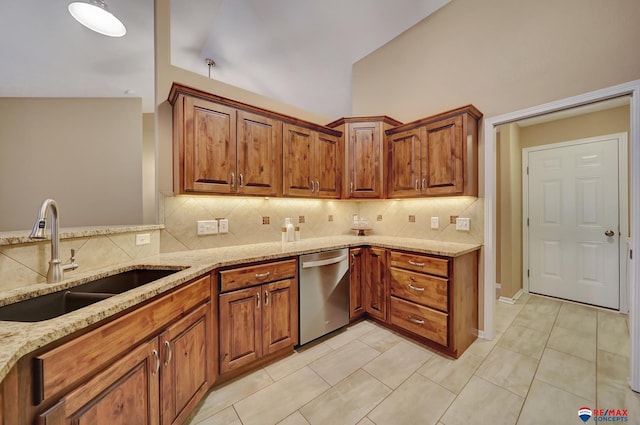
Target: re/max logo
610 412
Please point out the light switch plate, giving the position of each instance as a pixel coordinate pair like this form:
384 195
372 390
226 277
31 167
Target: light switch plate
224 225
463 224
143 239
207 227
435 222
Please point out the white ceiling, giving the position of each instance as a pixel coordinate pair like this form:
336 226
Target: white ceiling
46 53
297 51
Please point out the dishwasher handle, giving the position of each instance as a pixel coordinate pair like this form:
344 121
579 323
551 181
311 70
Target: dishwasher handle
326 262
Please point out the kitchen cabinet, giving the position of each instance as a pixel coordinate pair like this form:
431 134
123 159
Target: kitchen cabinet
376 286
435 298
357 272
222 149
258 307
150 366
435 156
364 155
312 163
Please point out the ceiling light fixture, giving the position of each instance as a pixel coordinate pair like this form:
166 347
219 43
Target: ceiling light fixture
94 15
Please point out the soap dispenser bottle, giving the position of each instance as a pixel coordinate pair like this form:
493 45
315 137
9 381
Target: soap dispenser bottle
290 229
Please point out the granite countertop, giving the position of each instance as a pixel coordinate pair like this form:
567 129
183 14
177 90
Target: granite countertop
18 339
22 236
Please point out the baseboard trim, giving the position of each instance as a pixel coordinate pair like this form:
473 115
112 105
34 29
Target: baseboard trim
511 300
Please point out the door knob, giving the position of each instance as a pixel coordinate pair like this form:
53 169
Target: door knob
609 233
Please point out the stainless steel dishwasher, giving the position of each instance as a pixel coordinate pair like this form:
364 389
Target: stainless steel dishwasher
324 293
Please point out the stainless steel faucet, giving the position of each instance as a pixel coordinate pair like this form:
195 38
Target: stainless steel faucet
56 270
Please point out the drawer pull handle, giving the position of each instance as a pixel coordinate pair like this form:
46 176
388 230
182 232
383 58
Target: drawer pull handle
266 298
415 263
416 321
169 353
155 354
415 288
258 301
260 275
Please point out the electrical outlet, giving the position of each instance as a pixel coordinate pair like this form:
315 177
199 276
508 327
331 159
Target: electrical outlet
463 224
224 225
207 227
143 239
435 222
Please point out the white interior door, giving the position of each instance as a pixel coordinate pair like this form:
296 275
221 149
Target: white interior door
573 227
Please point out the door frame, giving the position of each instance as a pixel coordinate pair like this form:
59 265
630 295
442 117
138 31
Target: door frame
489 251
623 208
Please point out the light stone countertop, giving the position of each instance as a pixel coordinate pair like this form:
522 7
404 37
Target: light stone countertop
18 339
22 236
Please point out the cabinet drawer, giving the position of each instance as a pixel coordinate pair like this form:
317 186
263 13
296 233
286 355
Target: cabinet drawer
420 263
420 320
243 277
420 288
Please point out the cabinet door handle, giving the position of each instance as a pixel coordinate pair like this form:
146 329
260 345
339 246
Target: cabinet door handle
416 321
424 183
169 353
258 301
318 186
155 354
241 180
417 184
415 263
313 186
261 275
233 179
415 288
351 187
266 298
353 260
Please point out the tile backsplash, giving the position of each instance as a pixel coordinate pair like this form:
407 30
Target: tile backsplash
316 218
251 220
27 263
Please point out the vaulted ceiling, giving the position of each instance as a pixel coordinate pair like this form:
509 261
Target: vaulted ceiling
296 51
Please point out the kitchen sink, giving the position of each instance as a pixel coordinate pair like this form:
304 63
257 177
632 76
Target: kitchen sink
56 304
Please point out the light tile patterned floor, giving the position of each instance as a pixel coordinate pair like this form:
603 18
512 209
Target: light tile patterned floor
549 359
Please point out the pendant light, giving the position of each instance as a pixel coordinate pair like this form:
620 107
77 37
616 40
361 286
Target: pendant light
94 15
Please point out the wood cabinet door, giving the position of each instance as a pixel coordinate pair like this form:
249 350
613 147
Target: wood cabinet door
404 164
364 161
357 274
125 393
209 146
279 315
259 155
375 294
442 169
240 327
298 158
185 352
328 169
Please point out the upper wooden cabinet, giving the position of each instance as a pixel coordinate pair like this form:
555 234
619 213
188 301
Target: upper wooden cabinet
364 155
221 149
435 156
312 163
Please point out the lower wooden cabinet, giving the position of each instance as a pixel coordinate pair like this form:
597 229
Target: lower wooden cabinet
376 289
261 319
357 272
435 298
155 382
